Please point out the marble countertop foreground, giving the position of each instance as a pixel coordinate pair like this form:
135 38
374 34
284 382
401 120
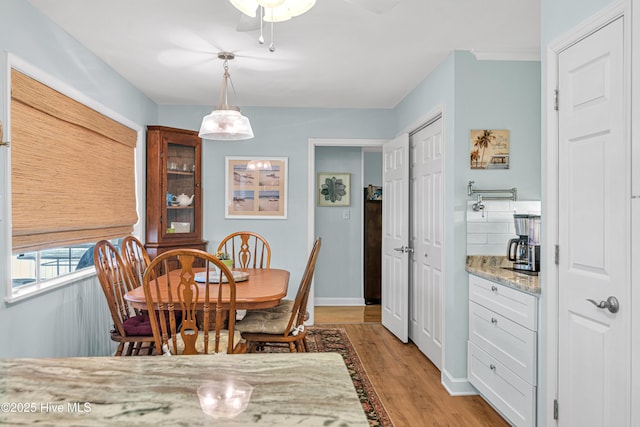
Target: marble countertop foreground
311 389
491 268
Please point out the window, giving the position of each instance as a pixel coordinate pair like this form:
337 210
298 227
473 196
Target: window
72 182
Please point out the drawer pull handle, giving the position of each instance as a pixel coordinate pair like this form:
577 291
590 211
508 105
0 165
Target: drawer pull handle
492 367
494 320
494 289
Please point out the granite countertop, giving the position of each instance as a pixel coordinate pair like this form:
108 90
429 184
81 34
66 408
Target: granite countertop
311 389
491 268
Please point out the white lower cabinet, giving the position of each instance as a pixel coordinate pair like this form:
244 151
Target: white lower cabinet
502 348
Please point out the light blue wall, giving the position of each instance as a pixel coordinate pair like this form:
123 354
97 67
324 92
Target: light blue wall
339 269
372 168
73 320
279 132
500 95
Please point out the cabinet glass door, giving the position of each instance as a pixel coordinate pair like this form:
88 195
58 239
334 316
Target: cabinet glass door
181 189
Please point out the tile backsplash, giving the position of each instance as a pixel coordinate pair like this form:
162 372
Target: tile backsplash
489 231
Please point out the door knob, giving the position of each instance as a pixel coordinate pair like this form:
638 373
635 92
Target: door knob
610 304
404 249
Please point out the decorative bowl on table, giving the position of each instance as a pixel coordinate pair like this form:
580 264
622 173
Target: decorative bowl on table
224 397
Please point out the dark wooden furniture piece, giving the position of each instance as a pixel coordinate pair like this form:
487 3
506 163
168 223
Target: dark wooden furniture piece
372 250
175 328
174 159
131 327
247 249
282 325
264 288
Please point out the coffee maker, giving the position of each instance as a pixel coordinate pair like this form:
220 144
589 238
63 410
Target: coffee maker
524 251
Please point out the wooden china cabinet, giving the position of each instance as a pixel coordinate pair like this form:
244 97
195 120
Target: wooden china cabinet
174 217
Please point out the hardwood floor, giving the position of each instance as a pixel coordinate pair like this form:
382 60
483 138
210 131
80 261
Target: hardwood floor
406 381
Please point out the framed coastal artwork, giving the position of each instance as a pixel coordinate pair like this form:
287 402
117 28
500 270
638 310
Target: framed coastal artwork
489 149
334 189
256 187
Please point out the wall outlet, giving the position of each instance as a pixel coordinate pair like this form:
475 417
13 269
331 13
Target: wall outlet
346 214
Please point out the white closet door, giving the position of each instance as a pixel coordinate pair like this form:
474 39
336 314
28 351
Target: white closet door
593 229
395 236
427 234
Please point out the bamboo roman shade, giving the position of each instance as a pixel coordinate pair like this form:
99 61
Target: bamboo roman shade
72 170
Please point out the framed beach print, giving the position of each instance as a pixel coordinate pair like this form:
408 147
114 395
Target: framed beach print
334 189
489 149
256 187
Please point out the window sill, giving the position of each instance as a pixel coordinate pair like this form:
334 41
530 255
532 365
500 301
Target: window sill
26 291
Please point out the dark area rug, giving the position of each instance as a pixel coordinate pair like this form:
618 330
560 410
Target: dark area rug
336 340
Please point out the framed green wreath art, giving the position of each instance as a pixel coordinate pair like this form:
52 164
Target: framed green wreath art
334 189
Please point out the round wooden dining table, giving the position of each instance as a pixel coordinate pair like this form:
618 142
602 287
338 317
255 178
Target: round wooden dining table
264 288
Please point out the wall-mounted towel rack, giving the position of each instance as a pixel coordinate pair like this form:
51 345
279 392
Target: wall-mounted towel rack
507 194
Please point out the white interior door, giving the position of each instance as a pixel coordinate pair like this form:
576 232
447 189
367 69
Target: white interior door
426 277
395 236
593 230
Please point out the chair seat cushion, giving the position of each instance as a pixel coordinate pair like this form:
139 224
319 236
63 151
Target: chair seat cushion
222 346
139 325
264 322
285 306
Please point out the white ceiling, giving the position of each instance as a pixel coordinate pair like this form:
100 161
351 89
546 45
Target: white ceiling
337 55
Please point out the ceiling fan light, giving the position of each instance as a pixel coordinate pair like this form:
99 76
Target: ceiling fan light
277 14
248 7
226 125
270 3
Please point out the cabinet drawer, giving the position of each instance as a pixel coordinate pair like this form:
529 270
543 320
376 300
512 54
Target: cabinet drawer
510 343
517 306
506 391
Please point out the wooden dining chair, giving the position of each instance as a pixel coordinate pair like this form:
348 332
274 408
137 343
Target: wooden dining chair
247 249
282 325
131 327
135 256
188 302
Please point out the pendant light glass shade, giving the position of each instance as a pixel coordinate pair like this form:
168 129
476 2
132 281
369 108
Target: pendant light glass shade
225 125
225 121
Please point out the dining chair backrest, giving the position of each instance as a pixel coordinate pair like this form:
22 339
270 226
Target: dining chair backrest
299 312
136 257
282 325
131 326
178 295
247 249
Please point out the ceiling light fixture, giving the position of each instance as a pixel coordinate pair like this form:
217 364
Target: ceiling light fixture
273 11
225 121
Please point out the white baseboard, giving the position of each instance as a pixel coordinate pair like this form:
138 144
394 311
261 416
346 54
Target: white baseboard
457 386
338 301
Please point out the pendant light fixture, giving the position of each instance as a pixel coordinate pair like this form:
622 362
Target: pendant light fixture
225 121
273 11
